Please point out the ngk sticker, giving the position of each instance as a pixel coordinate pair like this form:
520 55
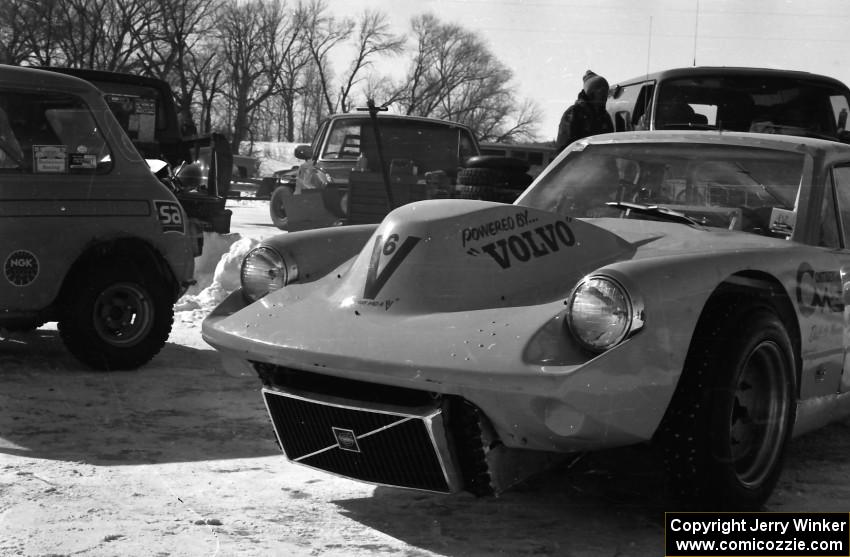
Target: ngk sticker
21 268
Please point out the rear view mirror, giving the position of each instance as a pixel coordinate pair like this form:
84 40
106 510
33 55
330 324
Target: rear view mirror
303 152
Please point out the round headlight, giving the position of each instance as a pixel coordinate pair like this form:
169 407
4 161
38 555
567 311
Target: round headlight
600 313
263 270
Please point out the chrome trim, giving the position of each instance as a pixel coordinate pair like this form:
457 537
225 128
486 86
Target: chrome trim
357 437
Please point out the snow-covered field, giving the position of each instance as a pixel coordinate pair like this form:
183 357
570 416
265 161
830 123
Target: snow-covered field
178 459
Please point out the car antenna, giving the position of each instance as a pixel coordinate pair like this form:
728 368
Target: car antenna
373 115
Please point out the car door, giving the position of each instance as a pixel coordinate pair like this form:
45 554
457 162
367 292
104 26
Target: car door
841 181
52 156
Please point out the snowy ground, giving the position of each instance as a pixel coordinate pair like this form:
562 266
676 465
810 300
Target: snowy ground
178 458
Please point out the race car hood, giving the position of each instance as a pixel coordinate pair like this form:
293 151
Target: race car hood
460 273
437 269
455 255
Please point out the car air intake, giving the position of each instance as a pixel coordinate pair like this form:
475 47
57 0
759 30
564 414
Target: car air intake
386 445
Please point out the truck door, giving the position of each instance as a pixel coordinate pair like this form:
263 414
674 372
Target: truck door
841 178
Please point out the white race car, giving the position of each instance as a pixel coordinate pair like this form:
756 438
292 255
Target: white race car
681 288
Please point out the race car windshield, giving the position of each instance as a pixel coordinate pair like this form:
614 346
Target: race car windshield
722 186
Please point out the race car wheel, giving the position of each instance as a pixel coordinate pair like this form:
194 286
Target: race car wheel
115 317
276 210
725 432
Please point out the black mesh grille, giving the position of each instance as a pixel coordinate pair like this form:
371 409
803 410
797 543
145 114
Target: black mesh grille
403 454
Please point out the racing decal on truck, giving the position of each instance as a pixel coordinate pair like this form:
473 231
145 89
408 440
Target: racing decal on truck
170 216
528 244
818 290
375 281
21 267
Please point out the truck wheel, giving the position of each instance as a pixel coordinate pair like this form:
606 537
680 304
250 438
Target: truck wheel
276 210
724 435
116 318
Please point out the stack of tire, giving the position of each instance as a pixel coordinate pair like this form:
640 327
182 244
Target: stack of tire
493 178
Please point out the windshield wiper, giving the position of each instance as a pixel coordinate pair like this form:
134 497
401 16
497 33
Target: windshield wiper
765 188
661 213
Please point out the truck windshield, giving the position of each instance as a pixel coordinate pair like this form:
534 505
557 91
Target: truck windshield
426 146
753 104
720 186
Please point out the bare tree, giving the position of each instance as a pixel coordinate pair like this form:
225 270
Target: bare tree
101 34
29 31
324 32
16 40
205 68
453 75
255 38
313 109
296 59
373 39
170 47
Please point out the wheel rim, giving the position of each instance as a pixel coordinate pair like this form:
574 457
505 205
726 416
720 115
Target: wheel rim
123 314
758 419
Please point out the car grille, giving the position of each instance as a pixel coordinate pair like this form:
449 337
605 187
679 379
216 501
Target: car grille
368 442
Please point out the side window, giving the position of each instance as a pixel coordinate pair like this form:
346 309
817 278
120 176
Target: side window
840 108
343 142
11 155
628 103
49 134
641 114
841 179
466 146
829 235
318 138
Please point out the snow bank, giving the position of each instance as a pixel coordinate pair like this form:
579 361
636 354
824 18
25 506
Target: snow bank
273 156
216 271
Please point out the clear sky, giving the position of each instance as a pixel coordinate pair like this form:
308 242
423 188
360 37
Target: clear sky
549 44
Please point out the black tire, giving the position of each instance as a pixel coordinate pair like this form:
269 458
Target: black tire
276 210
724 435
115 317
487 177
24 325
463 191
468 430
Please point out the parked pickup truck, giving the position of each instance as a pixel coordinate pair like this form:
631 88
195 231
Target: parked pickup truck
340 180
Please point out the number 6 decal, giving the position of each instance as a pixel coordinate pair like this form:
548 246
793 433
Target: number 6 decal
375 280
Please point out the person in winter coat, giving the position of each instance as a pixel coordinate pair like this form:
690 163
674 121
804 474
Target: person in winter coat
587 116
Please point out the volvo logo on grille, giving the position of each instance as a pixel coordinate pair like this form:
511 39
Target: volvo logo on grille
346 440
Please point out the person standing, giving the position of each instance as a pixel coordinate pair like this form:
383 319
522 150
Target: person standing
587 116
